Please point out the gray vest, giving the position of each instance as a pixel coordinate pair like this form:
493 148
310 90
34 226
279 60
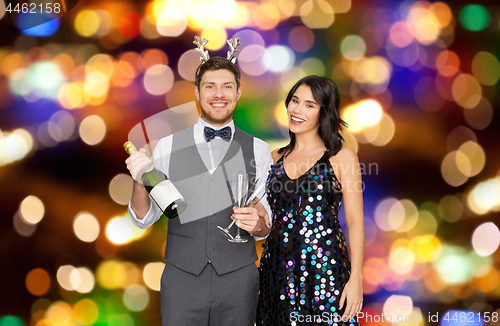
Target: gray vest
193 244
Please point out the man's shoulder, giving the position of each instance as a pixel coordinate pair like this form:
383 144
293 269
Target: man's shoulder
169 138
180 132
163 144
259 143
261 149
183 131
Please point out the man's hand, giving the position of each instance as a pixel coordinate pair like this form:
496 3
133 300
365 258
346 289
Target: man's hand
254 219
262 212
137 164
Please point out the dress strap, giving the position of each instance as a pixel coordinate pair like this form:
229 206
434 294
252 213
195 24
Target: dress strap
322 158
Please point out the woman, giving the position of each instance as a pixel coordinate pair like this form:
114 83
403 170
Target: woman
305 273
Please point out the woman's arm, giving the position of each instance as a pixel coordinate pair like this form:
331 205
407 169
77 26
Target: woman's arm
349 175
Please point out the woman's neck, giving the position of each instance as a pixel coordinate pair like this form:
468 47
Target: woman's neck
308 141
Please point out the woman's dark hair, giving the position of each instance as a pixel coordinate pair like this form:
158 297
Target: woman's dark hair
326 95
217 63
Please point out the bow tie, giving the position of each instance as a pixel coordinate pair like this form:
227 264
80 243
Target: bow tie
224 133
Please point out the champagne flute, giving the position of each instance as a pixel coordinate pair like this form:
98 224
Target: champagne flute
239 187
249 200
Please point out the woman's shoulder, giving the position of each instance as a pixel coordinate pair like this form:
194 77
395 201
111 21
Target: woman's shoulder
345 155
276 156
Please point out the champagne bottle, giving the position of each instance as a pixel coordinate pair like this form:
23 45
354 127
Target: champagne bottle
162 190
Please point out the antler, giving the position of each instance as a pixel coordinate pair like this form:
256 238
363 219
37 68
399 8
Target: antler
200 48
233 45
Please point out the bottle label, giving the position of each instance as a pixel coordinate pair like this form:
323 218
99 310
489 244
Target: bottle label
165 194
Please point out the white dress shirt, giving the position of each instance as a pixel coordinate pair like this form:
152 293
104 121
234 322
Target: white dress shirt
216 149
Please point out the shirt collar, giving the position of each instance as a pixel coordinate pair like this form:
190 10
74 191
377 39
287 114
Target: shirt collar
202 124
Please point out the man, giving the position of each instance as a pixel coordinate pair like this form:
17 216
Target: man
208 280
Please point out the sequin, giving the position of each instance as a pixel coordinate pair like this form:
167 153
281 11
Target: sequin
305 262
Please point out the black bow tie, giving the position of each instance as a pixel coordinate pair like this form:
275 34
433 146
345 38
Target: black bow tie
224 133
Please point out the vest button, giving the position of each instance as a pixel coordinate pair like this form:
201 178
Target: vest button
212 196
210 249
211 231
211 214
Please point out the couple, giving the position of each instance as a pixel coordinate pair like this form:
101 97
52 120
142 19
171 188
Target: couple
305 268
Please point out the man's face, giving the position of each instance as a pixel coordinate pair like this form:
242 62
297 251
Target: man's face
218 96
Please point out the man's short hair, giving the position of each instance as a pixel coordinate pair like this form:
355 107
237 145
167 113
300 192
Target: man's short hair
217 63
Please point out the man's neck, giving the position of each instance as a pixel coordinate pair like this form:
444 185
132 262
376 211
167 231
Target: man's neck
216 125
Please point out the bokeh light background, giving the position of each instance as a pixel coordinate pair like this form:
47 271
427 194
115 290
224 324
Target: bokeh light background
418 84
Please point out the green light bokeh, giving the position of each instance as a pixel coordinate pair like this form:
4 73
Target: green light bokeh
474 17
120 320
11 321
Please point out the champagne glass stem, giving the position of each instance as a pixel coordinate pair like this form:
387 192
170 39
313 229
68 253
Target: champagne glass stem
239 189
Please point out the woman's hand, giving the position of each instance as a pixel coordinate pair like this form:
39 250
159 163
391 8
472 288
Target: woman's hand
353 295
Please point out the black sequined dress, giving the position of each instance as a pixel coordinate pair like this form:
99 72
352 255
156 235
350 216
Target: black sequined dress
305 263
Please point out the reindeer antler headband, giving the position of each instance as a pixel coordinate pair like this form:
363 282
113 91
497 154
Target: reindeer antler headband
204 53
201 48
233 45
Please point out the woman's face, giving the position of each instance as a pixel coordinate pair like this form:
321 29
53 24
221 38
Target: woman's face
303 111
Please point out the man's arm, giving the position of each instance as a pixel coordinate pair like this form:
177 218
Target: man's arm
265 227
143 211
140 201
256 219
137 164
263 167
